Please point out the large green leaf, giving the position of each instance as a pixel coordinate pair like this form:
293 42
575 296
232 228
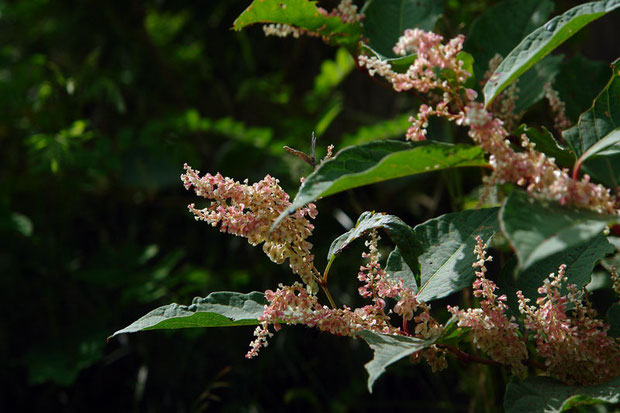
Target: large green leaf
386 20
547 395
537 230
219 309
541 42
601 119
303 14
448 242
501 27
389 349
531 83
399 232
379 161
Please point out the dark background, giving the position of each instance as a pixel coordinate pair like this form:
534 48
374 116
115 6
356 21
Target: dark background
101 103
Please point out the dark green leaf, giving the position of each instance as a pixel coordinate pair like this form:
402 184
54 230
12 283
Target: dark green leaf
531 83
541 42
386 20
501 27
537 230
399 232
303 14
545 395
575 71
389 349
448 242
379 161
398 64
598 121
219 309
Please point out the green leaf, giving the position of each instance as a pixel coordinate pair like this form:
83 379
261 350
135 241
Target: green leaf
613 318
580 260
399 232
541 42
546 143
218 309
389 349
448 242
386 20
385 129
380 161
501 27
396 268
302 14
598 121
545 395
573 72
531 83
537 230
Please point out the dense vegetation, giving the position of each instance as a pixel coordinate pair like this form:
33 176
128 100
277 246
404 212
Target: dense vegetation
103 103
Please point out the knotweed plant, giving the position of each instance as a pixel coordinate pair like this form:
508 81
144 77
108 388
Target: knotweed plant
553 331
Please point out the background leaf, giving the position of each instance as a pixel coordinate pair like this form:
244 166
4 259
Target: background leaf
544 394
541 42
537 230
219 309
386 20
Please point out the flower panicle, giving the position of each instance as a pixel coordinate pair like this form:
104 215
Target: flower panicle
568 334
250 210
492 330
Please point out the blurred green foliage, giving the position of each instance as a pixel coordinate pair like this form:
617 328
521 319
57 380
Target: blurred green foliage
101 103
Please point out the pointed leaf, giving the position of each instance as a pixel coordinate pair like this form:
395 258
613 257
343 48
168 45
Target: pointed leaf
546 143
601 119
389 349
399 232
542 41
545 395
380 161
386 20
219 309
302 14
537 230
448 242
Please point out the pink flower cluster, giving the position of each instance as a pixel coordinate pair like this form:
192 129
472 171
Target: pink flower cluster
533 169
576 348
250 210
492 330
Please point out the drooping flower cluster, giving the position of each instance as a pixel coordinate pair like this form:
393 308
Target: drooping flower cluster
492 330
533 169
573 342
250 210
294 305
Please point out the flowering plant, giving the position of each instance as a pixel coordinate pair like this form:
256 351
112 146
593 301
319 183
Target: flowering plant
558 208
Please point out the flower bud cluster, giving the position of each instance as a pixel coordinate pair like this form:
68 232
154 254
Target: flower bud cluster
573 342
492 330
250 210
